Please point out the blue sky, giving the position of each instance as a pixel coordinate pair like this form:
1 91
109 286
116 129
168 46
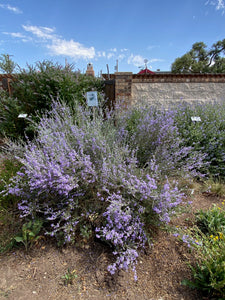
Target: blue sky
102 32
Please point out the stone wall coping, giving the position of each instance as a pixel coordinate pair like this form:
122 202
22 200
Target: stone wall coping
122 73
167 77
6 76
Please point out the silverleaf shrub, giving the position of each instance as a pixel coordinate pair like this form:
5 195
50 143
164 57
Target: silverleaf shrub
155 135
206 136
82 174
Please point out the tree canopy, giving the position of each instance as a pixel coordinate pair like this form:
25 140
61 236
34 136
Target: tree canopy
201 60
7 65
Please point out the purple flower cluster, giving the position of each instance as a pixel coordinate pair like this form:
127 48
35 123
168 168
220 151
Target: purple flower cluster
80 166
124 230
166 201
188 239
154 133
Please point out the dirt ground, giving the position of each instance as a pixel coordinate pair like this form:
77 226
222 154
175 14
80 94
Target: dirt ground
38 274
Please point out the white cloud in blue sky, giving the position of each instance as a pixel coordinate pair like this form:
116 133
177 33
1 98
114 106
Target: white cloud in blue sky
136 60
15 34
59 46
219 4
13 9
71 48
108 31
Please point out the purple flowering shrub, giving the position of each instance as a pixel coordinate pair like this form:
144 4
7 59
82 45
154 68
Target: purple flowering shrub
154 133
124 229
78 175
207 135
127 216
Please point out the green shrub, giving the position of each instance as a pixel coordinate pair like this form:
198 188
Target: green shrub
33 92
8 169
207 135
10 124
10 225
212 220
207 241
209 271
36 87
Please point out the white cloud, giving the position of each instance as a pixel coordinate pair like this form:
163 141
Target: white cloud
70 48
113 50
101 54
40 32
150 47
124 50
136 60
219 4
155 60
15 34
139 61
14 9
59 46
110 55
121 56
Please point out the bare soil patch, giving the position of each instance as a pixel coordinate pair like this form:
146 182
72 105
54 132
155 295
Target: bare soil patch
38 274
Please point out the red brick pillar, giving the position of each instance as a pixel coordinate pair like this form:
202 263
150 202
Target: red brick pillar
123 86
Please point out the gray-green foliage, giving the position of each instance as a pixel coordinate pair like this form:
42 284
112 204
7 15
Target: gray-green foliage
7 65
207 135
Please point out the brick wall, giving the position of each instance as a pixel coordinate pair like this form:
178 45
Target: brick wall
168 89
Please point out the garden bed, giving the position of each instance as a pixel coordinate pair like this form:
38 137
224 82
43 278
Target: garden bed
38 273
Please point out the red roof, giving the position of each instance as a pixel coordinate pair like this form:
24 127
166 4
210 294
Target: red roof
146 71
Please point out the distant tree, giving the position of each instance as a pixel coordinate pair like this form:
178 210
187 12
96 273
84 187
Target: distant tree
201 60
7 65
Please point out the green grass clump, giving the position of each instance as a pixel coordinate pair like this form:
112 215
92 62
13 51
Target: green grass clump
207 240
215 186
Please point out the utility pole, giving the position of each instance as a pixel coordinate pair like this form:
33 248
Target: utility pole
108 71
8 82
116 66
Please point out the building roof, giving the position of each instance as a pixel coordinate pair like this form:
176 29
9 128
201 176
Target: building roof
146 71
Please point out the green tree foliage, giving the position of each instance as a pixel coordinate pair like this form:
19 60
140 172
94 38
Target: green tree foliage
6 64
10 125
34 89
201 60
37 86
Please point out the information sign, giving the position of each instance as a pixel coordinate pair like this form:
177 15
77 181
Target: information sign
196 119
92 98
22 116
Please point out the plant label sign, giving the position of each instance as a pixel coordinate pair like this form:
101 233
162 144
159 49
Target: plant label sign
22 116
92 98
195 119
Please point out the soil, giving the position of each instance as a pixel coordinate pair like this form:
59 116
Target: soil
38 273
